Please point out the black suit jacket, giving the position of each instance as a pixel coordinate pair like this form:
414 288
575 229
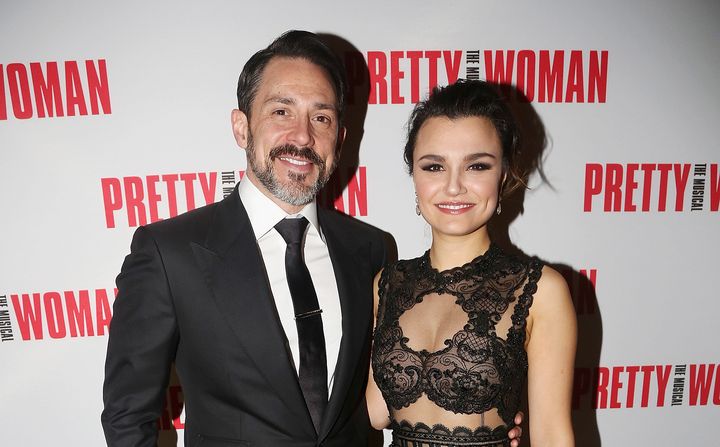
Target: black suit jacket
194 291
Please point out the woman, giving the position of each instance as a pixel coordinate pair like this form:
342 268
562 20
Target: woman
459 329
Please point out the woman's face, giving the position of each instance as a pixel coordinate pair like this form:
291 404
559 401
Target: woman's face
457 170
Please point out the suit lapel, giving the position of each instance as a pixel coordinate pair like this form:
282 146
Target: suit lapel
235 273
350 262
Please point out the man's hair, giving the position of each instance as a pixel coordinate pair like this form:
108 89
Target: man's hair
466 99
292 44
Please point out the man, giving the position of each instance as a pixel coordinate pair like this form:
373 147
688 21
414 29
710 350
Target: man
216 290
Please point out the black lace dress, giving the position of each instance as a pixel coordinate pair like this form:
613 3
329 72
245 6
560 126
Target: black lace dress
459 384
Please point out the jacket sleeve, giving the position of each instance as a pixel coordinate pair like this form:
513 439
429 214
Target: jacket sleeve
141 347
384 250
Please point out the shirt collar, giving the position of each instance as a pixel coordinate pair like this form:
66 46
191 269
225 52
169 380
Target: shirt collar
264 213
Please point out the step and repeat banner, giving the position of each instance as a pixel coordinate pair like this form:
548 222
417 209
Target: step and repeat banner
115 115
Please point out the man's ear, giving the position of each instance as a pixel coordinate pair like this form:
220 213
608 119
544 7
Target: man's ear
340 139
240 127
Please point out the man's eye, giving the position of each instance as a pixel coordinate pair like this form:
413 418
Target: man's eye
281 112
323 119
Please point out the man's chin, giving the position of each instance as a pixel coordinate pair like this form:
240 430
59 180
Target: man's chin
295 193
290 186
292 174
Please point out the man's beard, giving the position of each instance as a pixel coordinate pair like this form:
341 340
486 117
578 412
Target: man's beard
293 191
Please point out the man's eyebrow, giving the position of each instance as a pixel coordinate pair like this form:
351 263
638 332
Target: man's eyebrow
290 101
281 99
325 106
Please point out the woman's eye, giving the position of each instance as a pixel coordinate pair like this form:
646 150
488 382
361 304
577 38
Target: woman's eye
479 167
432 167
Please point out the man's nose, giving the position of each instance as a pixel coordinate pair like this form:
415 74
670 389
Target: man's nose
301 133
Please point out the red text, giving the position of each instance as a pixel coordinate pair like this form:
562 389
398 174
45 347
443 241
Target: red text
703 379
642 187
395 74
62 314
551 76
40 90
619 386
139 198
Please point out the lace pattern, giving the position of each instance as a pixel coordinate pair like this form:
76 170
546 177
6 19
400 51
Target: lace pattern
421 435
476 370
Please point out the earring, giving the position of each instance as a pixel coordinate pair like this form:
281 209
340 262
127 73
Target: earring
498 210
417 205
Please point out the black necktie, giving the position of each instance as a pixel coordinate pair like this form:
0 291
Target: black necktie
313 362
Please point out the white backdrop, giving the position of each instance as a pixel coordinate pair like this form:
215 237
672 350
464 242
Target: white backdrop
625 96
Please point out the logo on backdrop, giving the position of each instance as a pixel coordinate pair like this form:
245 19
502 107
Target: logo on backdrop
139 200
54 89
7 332
651 187
56 314
561 76
642 386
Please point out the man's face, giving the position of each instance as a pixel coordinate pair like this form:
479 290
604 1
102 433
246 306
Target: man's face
292 135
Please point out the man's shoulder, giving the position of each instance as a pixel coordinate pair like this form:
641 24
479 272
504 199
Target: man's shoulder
348 224
382 244
191 224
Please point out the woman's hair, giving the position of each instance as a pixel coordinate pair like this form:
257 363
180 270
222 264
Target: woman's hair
465 99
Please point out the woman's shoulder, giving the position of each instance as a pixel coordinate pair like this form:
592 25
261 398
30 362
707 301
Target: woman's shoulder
551 281
552 297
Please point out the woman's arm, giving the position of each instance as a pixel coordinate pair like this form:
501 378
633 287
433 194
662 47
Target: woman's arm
550 345
377 409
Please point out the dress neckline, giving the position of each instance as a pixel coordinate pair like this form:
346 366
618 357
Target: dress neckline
483 258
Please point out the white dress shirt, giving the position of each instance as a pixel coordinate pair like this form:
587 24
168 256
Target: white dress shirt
264 214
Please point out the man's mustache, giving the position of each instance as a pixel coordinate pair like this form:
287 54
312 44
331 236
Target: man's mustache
300 152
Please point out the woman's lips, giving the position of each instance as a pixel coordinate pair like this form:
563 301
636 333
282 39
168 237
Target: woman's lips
454 207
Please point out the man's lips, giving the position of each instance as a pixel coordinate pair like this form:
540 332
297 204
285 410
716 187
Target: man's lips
295 161
297 158
454 207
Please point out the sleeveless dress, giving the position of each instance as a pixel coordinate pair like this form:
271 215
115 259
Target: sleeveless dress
466 390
